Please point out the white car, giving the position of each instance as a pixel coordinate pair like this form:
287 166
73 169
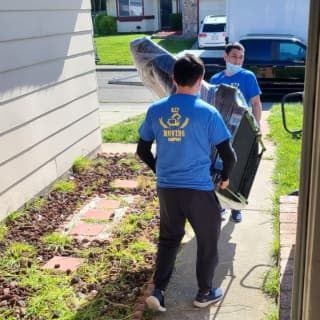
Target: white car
212 32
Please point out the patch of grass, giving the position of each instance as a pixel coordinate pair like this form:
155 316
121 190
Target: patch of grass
125 131
94 271
121 56
55 297
64 186
140 246
174 46
3 231
15 215
288 152
271 283
56 241
81 164
36 203
88 191
106 48
273 314
16 254
132 163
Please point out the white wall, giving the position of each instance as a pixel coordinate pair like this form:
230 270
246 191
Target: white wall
273 17
211 7
48 94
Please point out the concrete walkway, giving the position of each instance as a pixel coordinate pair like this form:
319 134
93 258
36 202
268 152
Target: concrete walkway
245 256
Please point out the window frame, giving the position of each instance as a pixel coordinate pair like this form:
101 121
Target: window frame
132 18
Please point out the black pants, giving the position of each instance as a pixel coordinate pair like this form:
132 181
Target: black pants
202 210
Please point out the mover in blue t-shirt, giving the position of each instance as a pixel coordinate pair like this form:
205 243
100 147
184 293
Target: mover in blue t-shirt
184 128
244 80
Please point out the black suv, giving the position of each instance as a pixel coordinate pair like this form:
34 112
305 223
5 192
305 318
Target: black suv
278 62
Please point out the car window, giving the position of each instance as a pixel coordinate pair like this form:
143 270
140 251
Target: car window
257 50
215 27
291 50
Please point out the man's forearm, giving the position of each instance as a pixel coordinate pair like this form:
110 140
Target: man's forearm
228 157
145 154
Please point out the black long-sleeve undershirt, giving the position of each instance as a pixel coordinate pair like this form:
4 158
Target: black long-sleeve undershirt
228 157
145 154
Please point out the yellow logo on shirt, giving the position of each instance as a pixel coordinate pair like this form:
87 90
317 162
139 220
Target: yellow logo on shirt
173 128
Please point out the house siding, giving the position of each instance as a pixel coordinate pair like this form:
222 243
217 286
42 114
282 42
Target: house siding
49 112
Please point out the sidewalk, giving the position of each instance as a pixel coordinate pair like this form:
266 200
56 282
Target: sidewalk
245 256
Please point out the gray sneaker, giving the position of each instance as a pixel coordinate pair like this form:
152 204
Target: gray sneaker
156 301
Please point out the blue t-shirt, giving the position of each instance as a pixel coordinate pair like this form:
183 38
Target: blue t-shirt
184 127
245 80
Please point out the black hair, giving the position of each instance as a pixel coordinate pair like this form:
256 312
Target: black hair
187 70
233 45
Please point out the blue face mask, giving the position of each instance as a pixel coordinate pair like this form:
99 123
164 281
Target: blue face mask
233 68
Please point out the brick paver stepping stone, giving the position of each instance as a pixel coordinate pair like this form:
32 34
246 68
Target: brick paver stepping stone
107 204
87 229
125 184
98 214
63 263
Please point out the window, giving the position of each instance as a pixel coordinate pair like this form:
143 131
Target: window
129 8
291 50
214 27
256 49
98 5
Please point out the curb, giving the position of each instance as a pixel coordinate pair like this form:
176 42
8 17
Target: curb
103 68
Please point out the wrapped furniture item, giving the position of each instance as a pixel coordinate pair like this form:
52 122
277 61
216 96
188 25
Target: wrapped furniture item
155 69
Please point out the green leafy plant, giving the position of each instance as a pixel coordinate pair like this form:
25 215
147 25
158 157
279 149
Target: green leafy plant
81 164
175 21
64 186
105 24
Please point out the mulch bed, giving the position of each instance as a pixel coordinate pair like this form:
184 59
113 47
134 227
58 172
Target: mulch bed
36 223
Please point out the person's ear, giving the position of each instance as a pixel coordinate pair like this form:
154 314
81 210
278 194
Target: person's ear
174 81
199 82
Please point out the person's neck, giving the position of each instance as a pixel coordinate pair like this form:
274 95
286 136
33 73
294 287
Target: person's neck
187 90
227 73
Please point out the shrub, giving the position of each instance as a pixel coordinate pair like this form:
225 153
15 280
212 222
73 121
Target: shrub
175 21
105 24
